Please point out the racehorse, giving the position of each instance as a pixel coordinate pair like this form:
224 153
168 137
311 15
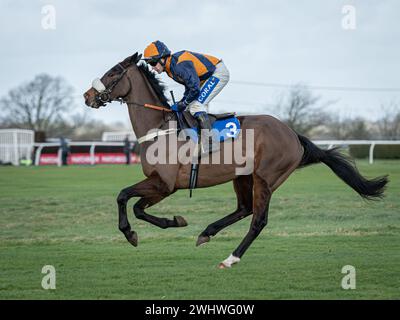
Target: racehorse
278 151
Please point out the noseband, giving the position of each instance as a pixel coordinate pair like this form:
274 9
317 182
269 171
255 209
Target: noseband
104 94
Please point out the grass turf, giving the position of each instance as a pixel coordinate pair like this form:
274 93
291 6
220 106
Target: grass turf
67 217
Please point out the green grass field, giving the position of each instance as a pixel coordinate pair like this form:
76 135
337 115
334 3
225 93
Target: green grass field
67 217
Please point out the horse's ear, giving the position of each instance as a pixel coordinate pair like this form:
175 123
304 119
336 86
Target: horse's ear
135 58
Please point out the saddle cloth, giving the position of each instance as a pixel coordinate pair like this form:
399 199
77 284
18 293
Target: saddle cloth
226 125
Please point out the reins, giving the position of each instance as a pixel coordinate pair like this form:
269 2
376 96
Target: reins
147 105
104 97
152 135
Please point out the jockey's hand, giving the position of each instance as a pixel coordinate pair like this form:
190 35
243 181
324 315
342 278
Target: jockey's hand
179 106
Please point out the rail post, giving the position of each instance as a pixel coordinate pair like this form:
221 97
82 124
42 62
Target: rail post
371 153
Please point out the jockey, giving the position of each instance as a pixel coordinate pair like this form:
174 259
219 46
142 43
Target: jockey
203 76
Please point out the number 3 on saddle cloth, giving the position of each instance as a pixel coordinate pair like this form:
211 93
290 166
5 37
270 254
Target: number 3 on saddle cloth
225 125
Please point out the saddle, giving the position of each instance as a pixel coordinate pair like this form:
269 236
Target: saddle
190 122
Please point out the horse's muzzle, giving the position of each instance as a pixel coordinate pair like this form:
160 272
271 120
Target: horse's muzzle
90 99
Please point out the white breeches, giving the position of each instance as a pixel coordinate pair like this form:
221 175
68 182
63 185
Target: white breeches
210 89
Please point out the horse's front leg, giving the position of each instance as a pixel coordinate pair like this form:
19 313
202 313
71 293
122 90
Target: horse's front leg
151 190
123 224
163 223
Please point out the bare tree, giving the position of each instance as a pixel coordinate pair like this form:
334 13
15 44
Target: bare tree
91 130
37 104
389 124
301 110
67 127
343 129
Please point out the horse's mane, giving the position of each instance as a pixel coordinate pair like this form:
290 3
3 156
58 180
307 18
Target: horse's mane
158 86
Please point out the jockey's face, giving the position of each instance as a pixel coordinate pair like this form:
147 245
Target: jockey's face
158 67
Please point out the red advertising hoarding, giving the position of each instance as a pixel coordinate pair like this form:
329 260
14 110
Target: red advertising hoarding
85 158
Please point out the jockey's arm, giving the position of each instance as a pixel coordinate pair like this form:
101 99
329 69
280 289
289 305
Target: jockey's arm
187 73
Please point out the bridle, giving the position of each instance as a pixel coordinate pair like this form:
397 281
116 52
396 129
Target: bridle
103 95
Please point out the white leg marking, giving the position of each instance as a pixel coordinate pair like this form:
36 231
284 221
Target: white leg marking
228 262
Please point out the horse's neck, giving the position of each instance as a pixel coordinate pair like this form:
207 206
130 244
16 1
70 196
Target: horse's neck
143 119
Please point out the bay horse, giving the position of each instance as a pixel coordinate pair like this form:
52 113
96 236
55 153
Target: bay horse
278 151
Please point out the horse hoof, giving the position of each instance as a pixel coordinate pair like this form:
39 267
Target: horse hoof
222 266
202 240
228 262
180 221
133 238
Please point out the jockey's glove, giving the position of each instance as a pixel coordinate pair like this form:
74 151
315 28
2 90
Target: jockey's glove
179 106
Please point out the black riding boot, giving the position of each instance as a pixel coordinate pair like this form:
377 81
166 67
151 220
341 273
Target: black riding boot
208 144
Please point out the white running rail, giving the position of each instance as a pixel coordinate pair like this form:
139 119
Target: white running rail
118 136
329 143
371 143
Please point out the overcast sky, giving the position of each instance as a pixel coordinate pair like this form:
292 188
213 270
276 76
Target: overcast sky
282 42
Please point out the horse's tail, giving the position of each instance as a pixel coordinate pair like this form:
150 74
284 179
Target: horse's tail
344 168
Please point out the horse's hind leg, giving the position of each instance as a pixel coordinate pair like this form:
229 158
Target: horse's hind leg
261 199
243 186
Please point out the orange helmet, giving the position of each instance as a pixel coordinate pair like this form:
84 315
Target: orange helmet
155 51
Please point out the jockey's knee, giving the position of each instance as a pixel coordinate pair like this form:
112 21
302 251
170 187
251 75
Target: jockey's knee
196 106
